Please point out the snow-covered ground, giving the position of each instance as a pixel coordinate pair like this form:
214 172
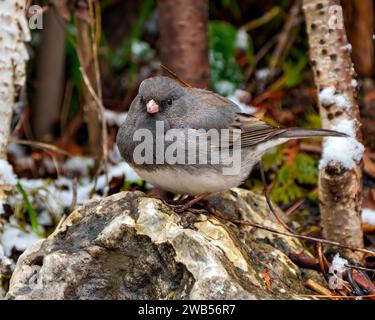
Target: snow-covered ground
51 197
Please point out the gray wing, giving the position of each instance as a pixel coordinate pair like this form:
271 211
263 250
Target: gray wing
253 130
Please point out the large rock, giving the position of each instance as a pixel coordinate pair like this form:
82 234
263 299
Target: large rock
129 246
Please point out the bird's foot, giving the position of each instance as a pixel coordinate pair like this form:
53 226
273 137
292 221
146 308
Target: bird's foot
188 206
180 208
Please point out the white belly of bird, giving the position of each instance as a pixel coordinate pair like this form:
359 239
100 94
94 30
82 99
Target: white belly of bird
182 182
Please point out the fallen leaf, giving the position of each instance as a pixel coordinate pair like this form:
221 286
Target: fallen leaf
267 279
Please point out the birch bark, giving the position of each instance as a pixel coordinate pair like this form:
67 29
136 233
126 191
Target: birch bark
341 164
13 56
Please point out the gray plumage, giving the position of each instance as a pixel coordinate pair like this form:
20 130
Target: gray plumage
183 108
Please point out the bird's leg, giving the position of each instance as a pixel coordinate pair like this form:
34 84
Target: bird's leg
180 197
179 208
158 194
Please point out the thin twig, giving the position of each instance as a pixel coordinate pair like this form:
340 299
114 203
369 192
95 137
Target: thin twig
95 21
95 34
289 234
42 145
321 260
265 18
266 194
104 125
292 233
62 220
294 208
74 195
355 287
284 39
56 164
259 56
359 268
310 283
174 75
337 297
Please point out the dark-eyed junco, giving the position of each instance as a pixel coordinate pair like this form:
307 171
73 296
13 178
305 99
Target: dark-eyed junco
185 140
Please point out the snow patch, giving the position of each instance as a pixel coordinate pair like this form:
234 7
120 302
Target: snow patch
242 40
57 195
78 164
368 216
339 264
262 74
14 237
238 97
139 48
16 150
4 261
45 219
115 118
118 170
7 176
347 47
344 150
224 87
328 96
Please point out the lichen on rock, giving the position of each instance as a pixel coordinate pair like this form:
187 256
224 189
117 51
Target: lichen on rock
129 246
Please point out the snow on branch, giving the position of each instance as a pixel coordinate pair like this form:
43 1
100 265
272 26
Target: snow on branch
328 96
345 151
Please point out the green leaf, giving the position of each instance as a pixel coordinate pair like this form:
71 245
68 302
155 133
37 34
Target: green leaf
312 120
272 159
30 209
294 72
289 178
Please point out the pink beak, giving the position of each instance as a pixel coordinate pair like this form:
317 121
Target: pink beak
152 106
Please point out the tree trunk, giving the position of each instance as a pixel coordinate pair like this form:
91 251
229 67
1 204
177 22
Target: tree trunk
341 165
50 73
183 29
359 22
14 31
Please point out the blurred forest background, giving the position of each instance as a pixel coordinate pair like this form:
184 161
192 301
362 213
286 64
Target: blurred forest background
258 57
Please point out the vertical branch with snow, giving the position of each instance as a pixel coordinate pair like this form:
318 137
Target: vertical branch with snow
341 164
13 56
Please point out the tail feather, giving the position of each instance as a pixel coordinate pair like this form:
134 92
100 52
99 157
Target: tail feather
299 133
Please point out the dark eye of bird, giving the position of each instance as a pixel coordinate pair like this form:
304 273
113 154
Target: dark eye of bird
169 101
